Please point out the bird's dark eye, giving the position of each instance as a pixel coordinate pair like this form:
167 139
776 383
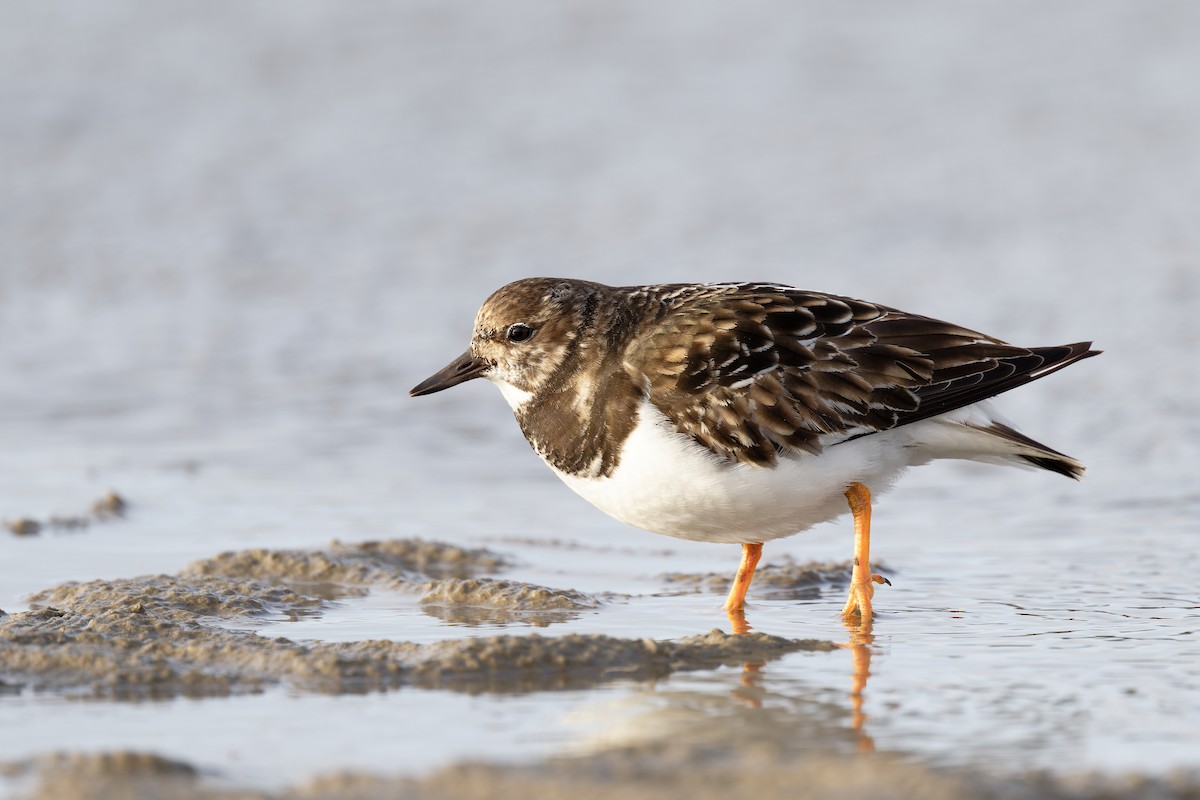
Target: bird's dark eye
519 333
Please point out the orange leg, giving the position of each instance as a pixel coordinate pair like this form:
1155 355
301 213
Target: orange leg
861 579
737 593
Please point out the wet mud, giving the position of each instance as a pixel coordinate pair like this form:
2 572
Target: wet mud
394 563
192 634
495 601
110 506
660 771
450 580
782 579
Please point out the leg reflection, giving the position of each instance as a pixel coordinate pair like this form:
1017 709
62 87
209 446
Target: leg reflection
750 692
737 621
861 639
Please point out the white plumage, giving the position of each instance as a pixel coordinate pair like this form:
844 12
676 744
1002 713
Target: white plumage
667 483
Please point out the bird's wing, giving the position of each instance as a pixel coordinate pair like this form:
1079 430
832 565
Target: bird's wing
750 370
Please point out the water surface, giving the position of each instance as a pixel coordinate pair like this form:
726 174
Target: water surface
217 284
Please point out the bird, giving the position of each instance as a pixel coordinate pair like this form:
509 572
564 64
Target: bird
745 412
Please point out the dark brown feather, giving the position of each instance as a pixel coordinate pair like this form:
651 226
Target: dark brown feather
749 370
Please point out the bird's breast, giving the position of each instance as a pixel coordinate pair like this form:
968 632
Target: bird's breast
667 483
581 428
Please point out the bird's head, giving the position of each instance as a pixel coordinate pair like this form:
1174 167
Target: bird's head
522 335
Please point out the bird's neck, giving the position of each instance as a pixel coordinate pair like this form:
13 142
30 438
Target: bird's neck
579 420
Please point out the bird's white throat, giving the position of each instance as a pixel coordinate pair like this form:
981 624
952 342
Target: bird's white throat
516 397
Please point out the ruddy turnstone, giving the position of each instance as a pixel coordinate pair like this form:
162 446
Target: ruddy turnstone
745 412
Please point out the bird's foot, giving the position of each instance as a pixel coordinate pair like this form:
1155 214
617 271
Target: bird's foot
862 589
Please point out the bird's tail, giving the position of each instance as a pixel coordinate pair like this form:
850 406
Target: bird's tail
1034 452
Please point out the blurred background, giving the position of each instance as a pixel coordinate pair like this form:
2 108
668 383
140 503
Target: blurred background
209 192
250 227
221 214
232 235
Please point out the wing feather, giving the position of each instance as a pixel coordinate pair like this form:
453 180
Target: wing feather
750 370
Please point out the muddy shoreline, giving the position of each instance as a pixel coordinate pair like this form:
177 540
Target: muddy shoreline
653 772
192 635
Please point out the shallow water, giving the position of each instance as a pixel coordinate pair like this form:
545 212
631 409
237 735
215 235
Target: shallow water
217 285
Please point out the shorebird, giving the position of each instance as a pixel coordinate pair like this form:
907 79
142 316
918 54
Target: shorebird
746 412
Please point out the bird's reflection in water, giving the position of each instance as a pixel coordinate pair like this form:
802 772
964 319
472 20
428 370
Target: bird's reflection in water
862 637
737 621
751 691
774 707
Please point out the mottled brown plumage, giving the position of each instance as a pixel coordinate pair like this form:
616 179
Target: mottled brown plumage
745 412
748 370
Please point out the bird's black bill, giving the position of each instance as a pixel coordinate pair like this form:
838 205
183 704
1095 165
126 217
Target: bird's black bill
460 370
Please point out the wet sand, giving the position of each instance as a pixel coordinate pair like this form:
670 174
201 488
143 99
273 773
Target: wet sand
191 634
110 506
166 635
783 578
660 772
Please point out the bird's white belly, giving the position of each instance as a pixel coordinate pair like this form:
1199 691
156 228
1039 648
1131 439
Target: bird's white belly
667 483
